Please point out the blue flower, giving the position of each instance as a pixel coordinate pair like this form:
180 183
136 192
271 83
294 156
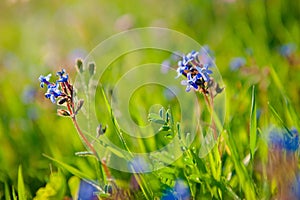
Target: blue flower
53 92
291 140
53 89
44 80
283 140
62 77
179 191
87 191
195 67
204 71
190 83
236 63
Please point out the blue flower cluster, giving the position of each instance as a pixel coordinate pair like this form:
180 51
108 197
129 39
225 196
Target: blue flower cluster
281 140
53 89
195 67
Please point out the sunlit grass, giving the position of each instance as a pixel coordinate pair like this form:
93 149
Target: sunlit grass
261 93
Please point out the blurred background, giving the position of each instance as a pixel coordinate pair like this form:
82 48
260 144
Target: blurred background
41 37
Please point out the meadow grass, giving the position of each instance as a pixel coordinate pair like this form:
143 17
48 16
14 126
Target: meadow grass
255 155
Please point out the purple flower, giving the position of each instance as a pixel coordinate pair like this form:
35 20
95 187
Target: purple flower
236 63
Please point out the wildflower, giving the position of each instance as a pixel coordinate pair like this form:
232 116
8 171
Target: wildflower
195 67
62 76
279 139
236 63
60 88
291 140
53 92
44 80
87 191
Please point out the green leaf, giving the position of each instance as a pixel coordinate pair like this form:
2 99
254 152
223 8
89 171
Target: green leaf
21 186
14 194
245 181
253 125
6 191
70 169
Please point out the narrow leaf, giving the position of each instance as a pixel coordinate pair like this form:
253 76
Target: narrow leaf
253 125
69 168
21 186
14 194
6 192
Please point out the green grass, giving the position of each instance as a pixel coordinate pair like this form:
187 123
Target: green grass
37 148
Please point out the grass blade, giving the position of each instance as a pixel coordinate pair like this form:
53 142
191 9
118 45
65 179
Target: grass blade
245 180
70 169
14 194
6 192
253 125
21 186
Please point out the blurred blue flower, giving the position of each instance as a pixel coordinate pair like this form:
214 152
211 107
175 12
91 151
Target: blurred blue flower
138 165
236 63
276 139
28 94
287 49
206 56
87 191
179 191
165 66
291 140
283 140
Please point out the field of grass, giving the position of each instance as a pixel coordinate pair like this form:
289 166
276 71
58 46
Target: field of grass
148 145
